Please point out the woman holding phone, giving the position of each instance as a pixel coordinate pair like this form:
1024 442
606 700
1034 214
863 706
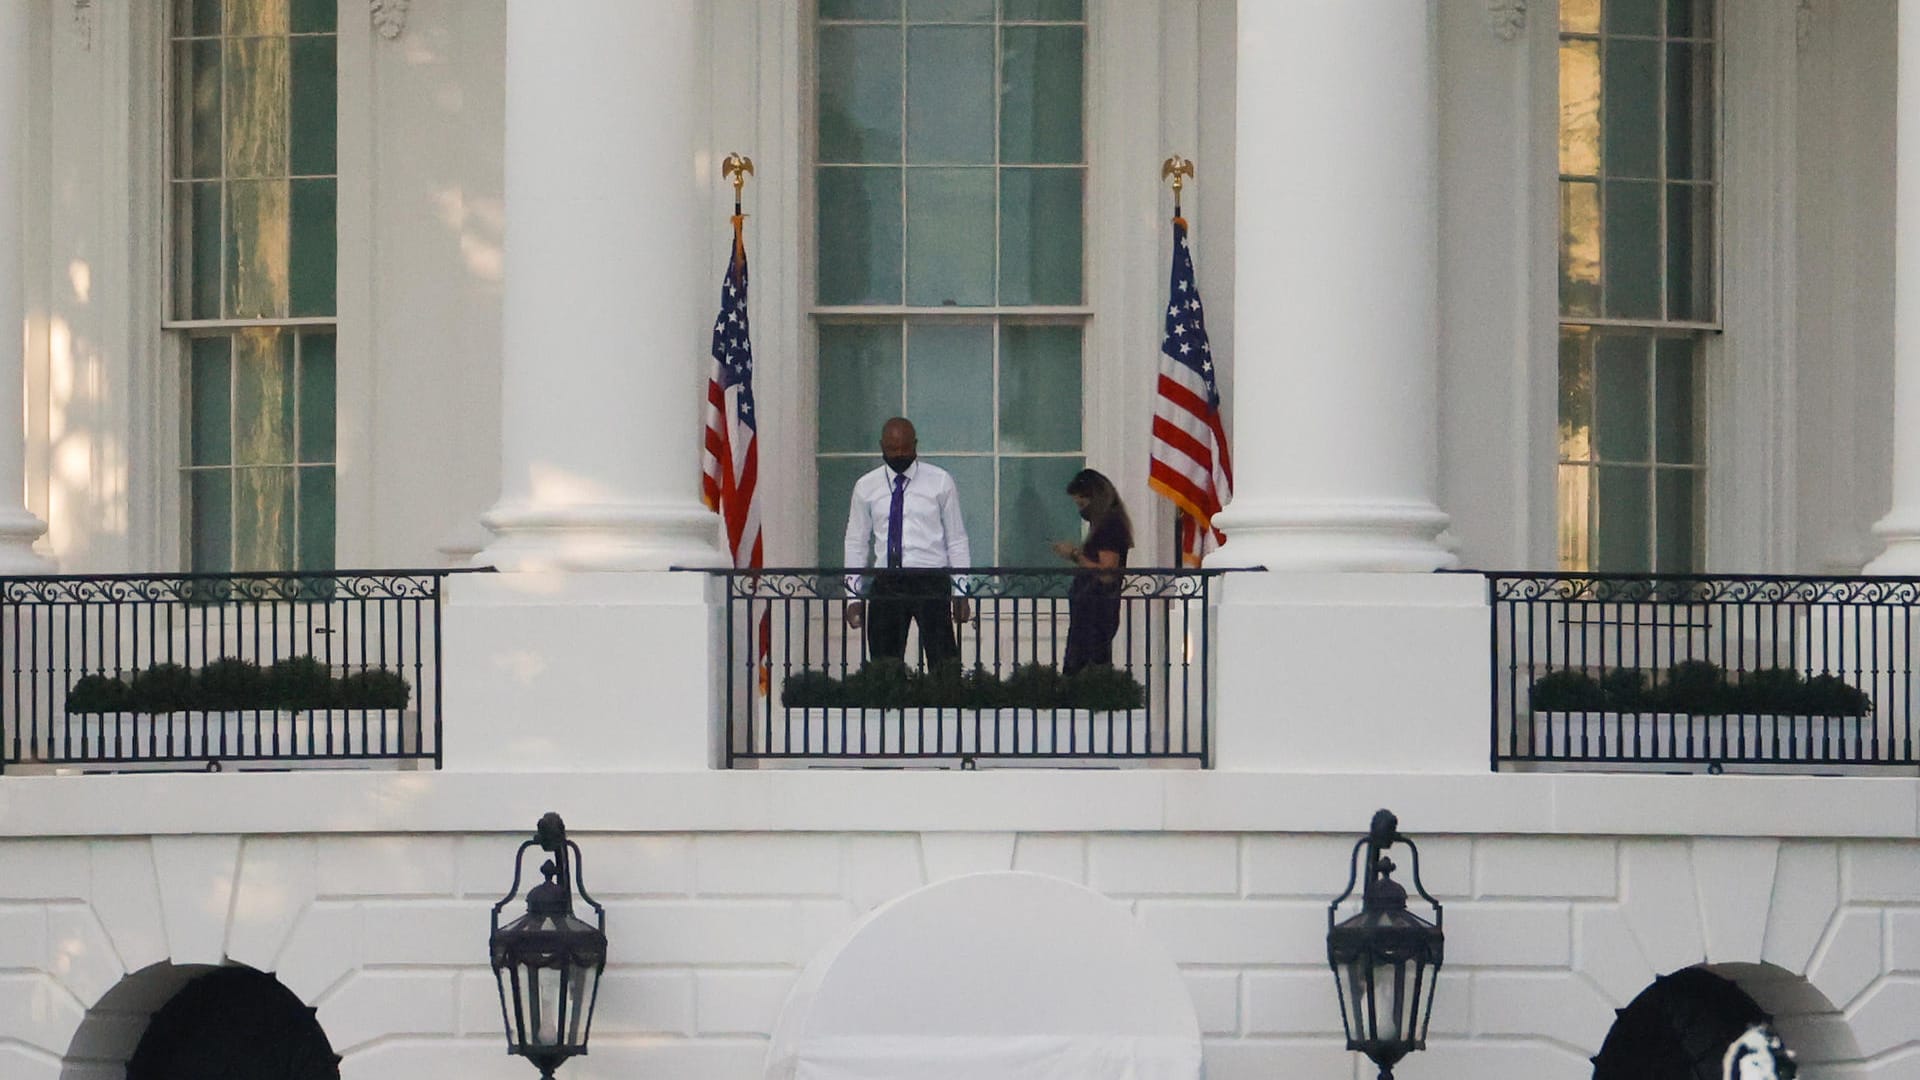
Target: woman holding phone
1093 600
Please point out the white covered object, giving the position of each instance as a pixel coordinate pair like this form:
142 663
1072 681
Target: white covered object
1005 976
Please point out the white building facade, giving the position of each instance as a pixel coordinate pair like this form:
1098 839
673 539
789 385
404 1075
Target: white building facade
1602 286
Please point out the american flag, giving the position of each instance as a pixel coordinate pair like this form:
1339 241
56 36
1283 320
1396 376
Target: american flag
1190 464
731 465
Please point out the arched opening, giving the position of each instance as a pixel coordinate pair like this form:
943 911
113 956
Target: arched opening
194 1022
1679 1027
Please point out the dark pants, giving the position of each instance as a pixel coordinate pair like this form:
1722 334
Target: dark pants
1093 620
899 599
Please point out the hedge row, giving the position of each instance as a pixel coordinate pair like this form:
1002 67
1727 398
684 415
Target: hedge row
234 685
890 684
1700 688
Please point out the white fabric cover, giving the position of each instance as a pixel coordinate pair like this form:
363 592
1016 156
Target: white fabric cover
1001 976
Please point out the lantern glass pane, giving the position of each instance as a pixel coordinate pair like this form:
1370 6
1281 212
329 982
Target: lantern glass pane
1429 977
1390 986
527 1005
1360 1027
547 1025
579 999
510 1003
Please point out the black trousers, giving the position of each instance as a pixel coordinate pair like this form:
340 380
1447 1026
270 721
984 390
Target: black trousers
1093 620
900 598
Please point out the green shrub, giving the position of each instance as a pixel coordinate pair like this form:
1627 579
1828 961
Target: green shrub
1830 695
1566 691
1103 688
881 684
378 688
1695 687
1624 690
299 682
1036 686
97 694
810 690
162 688
230 684
1774 691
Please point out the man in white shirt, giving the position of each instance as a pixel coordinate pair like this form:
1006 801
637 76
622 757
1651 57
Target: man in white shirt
905 517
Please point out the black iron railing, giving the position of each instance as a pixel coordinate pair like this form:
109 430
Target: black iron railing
1702 670
820 696
138 670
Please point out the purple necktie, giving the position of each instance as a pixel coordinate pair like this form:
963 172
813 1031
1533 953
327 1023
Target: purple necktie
895 529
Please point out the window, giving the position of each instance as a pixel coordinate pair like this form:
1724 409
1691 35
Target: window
1638 281
252 197
950 182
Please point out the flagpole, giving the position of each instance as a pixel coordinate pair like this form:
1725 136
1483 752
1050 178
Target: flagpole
1177 170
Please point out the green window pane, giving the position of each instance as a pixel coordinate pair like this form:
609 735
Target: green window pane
197 138
1041 223
1677 516
314 97
316 397
834 496
1690 252
1624 521
196 18
316 518
950 95
950 385
859 247
313 16
257 234
1580 248
257 93
1633 249
860 9
950 237
1620 415
196 284
1039 388
974 478
1677 399
1044 10
263 518
1040 109
860 386
1632 16
859 95
1630 114
311 289
210 520
211 395
1576 393
263 397
1689 112
1035 509
257 16
949 10
1690 18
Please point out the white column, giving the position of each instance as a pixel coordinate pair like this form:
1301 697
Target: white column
606 289
1334 381
1900 529
19 528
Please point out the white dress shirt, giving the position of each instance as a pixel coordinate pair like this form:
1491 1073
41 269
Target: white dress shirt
932 533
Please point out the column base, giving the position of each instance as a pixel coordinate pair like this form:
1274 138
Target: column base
1900 531
19 528
1334 537
601 537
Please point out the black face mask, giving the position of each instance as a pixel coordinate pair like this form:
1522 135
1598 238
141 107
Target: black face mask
898 462
1086 512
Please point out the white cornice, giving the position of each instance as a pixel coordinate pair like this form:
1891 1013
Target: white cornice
389 16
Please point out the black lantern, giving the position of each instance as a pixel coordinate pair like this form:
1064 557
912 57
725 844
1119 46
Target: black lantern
1385 959
548 962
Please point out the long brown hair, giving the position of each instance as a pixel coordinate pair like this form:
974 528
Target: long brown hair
1102 500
